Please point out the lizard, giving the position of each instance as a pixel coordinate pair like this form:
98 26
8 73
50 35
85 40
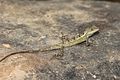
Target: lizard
76 40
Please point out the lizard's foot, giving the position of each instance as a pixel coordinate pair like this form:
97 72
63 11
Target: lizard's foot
57 56
88 42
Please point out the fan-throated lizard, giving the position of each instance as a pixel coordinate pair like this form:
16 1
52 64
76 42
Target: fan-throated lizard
87 33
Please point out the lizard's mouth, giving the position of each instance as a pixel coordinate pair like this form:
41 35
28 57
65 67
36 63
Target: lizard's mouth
96 30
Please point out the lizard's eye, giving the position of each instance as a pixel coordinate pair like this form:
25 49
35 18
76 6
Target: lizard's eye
91 29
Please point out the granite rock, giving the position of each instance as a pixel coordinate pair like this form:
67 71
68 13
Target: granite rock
37 24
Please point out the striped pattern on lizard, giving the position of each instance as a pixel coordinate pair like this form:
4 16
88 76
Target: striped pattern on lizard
84 37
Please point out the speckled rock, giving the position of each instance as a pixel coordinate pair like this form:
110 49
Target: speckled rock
37 24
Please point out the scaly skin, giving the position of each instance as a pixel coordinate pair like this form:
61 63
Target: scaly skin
88 32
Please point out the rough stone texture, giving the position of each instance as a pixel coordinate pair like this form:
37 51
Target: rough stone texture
34 24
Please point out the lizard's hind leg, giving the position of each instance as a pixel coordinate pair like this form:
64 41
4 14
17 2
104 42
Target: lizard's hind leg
61 54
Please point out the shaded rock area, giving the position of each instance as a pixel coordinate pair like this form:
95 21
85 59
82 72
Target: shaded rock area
37 24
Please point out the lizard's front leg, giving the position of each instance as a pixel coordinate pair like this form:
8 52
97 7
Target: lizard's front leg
87 42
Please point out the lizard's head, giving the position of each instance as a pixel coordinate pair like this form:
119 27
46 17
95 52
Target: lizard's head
89 31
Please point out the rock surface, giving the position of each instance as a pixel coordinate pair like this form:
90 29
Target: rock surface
34 24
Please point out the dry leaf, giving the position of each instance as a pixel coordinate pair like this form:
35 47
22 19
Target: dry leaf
6 45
